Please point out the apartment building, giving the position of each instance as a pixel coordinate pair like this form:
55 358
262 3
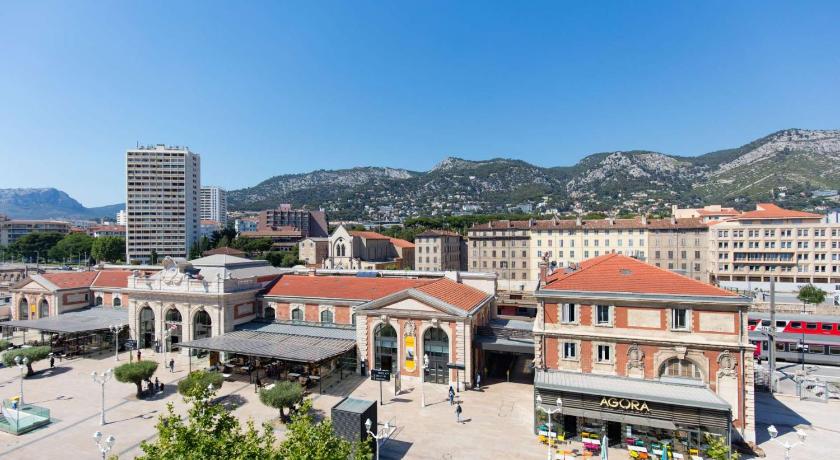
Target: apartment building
438 250
214 204
502 247
680 245
639 353
13 229
162 201
795 247
308 223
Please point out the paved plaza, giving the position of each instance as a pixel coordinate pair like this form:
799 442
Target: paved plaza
497 420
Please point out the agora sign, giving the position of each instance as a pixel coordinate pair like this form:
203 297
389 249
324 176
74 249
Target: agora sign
626 404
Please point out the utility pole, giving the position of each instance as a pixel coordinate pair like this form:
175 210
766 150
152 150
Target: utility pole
771 336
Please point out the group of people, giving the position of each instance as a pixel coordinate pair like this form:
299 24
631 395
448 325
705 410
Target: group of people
155 387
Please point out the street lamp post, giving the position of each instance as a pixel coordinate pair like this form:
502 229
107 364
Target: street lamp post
21 364
773 432
549 412
115 329
423 380
104 447
379 435
101 379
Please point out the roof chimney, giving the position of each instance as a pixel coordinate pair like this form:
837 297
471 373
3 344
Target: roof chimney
673 219
644 219
543 270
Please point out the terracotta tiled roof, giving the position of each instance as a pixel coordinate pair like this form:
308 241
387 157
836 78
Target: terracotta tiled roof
722 212
368 235
622 274
112 278
401 243
71 280
433 232
455 294
341 287
593 224
224 250
771 211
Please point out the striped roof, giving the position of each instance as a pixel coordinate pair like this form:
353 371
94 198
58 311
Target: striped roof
616 273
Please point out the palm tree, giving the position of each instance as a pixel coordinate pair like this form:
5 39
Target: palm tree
808 294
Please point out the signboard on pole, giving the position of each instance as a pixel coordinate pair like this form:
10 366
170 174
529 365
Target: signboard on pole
380 375
130 344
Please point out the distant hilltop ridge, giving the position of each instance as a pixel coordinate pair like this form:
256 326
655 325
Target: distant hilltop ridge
786 166
49 203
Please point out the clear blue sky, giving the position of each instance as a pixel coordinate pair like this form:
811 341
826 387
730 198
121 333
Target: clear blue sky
265 88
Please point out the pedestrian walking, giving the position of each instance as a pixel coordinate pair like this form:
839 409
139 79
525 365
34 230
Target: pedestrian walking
477 381
157 385
451 395
138 355
52 361
172 365
257 384
458 411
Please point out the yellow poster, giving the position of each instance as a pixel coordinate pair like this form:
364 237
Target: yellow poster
409 353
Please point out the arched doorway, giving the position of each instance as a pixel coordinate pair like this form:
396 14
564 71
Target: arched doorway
202 325
117 302
436 347
23 309
268 314
98 301
385 348
43 308
173 324
146 331
297 314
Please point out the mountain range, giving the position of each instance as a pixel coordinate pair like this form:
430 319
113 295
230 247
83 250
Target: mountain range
786 167
50 203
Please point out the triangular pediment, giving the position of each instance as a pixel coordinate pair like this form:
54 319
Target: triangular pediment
411 300
31 285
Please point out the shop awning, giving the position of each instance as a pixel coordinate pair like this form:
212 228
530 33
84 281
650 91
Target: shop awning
622 387
299 343
85 320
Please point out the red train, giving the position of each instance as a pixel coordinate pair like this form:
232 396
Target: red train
821 337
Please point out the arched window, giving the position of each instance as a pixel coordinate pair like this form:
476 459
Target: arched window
23 309
268 313
117 302
173 315
147 327
385 347
98 300
680 368
297 314
202 325
43 309
174 326
326 316
436 347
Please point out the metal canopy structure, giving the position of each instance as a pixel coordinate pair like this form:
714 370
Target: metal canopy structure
85 320
621 387
298 343
512 345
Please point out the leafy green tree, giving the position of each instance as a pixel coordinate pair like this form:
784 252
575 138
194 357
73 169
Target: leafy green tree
33 353
71 245
195 251
197 381
308 440
208 432
108 249
136 373
717 448
282 395
36 244
4 344
811 294
153 256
